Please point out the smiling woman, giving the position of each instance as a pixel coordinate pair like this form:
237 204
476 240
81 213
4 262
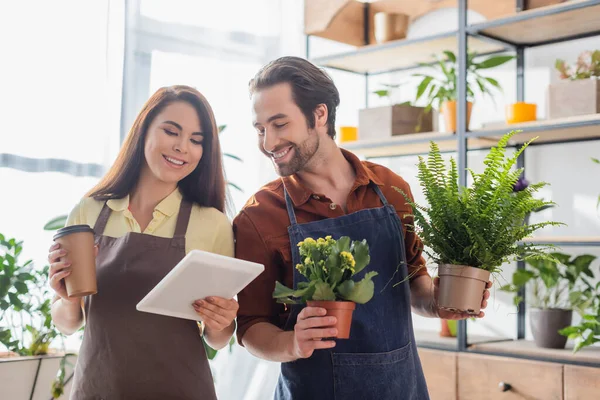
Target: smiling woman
163 197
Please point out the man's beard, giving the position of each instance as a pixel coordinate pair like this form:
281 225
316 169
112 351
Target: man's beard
301 156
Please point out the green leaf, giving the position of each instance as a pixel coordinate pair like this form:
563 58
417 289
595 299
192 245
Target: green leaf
509 288
568 331
493 82
15 301
323 292
221 128
21 287
382 93
343 244
450 55
232 156
522 276
210 352
233 185
597 161
361 256
423 86
493 61
360 292
56 223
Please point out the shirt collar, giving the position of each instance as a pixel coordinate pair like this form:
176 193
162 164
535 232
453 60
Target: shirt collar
300 194
168 206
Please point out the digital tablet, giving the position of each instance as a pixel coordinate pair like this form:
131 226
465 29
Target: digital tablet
198 275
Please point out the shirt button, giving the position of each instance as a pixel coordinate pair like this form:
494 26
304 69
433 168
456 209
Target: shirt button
314 196
333 206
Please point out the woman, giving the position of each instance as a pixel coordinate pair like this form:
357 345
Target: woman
164 196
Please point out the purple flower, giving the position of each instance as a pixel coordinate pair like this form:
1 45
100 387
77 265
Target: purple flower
520 185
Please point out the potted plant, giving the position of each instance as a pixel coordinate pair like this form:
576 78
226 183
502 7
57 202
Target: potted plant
578 91
441 89
471 231
329 265
395 118
26 324
551 282
587 332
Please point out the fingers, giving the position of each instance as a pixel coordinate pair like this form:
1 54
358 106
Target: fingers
323 344
55 280
226 304
316 334
56 255
488 285
55 246
95 251
210 317
436 281
308 312
58 267
316 322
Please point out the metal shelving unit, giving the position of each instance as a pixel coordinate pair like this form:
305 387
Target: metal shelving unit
572 20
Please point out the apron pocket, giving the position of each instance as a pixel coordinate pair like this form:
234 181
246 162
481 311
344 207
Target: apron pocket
376 376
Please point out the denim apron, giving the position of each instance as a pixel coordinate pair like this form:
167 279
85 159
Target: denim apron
380 359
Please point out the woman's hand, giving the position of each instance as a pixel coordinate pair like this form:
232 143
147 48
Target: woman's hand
60 268
216 313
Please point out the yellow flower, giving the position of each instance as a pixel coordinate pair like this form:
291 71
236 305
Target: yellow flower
307 261
347 260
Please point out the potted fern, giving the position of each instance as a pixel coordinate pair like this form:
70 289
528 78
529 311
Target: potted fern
441 88
471 231
329 265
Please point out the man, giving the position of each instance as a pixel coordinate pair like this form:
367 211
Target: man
325 190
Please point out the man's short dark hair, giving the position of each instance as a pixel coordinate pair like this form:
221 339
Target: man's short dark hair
311 86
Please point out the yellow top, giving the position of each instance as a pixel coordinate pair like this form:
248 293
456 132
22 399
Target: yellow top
208 228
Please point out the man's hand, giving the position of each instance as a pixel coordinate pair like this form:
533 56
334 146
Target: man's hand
445 314
311 328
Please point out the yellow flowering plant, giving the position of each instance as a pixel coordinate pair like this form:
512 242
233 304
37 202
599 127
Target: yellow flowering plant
329 266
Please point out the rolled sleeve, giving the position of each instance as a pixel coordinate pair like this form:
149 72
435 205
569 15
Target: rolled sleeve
255 300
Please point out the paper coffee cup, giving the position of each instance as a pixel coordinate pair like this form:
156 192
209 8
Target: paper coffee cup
78 241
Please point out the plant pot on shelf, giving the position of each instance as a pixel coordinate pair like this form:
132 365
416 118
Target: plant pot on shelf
570 98
531 4
449 112
390 26
545 324
448 328
461 288
520 112
341 310
399 119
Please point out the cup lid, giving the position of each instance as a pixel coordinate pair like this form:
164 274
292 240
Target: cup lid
67 230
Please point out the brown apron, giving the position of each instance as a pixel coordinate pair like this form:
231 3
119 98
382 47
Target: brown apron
129 354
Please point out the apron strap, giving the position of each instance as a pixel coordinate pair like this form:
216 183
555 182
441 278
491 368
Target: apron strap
290 206
183 218
379 193
102 220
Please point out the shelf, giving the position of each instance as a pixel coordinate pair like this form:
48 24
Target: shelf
412 144
402 54
528 349
433 340
585 127
545 25
565 240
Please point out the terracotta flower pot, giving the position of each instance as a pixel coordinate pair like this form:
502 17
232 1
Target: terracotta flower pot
341 310
449 112
461 288
545 325
448 328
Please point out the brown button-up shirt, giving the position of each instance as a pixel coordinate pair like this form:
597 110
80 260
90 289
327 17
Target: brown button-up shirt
262 237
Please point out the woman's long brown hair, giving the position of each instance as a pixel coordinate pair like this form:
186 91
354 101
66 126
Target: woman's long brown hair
205 185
